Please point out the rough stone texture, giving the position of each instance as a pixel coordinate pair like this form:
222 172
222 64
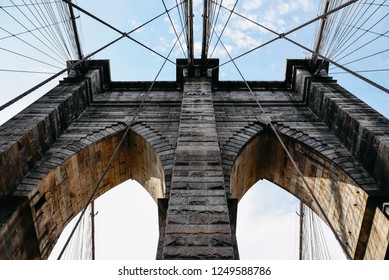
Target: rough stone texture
377 245
196 145
17 234
197 189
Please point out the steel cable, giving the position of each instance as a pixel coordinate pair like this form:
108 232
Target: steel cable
37 49
53 31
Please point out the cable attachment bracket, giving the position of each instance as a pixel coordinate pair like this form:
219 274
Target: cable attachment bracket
264 120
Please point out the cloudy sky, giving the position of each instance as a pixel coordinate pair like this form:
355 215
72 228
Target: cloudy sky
270 234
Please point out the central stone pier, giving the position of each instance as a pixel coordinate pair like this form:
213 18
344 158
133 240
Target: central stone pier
198 221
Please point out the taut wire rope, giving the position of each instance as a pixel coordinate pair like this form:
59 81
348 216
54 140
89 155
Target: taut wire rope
70 67
173 27
126 34
123 35
283 35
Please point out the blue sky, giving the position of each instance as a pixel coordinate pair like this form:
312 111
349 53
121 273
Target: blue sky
130 61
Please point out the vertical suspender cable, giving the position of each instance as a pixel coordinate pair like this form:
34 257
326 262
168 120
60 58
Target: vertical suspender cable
75 31
320 35
189 32
92 214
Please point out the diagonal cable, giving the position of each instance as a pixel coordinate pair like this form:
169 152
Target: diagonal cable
126 34
347 37
9 103
37 49
28 57
26 71
282 35
26 5
54 32
384 89
366 30
30 30
363 58
225 25
362 71
172 24
24 94
180 16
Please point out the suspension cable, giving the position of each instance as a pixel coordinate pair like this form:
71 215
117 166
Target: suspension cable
123 34
9 103
26 5
384 89
58 31
53 32
180 16
363 58
282 35
26 71
217 17
172 24
126 34
42 24
367 31
224 27
39 50
357 39
29 57
30 30
30 20
362 71
342 35
346 38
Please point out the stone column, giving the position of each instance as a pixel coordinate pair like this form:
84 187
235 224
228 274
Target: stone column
197 218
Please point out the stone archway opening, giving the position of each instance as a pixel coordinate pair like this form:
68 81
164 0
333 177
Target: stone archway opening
340 197
120 231
69 181
268 225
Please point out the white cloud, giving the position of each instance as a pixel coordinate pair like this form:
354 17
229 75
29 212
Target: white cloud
240 39
197 48
286 7
229 4
133 22
243 24
267 224
307 5
249 5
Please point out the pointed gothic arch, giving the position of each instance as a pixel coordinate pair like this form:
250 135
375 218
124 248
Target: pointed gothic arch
339 191
120 232
68 184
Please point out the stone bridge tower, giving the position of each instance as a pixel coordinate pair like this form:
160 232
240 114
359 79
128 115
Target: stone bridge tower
196 145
